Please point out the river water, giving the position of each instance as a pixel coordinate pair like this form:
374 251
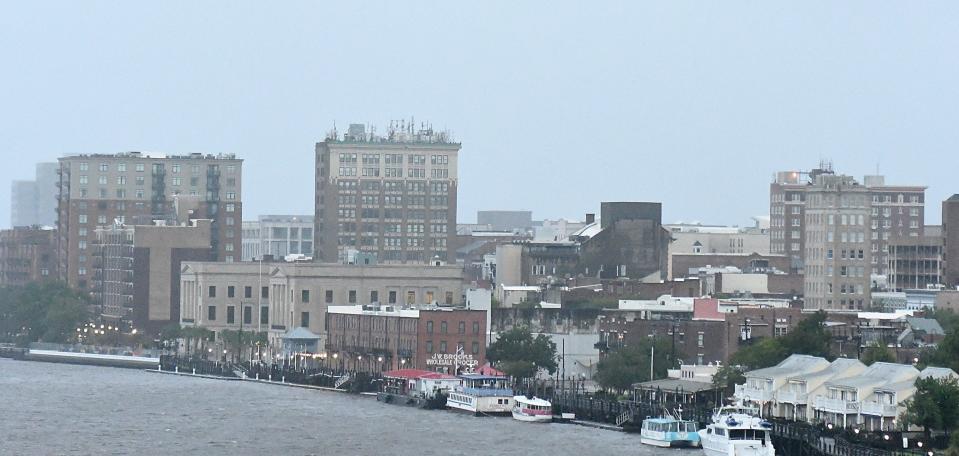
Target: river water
48 409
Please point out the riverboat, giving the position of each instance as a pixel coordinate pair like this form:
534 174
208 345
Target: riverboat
670 431
532 410
735 433
482 395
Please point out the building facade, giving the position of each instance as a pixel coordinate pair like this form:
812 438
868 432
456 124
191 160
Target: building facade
27 254
34 202
916 261
896 210
138 189
394 196
631 243
279 236
950 240
381 338
277 297
136 271
838 260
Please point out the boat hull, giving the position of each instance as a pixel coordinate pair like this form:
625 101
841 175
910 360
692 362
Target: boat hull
737 448
670 443
532 418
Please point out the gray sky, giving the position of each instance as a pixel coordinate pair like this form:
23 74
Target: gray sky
559 106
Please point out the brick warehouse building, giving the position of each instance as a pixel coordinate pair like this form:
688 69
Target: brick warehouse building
708 337
27 254
381 338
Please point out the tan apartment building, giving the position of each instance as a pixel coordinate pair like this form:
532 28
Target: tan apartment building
279 297
896 211
137 188
393 196
838 260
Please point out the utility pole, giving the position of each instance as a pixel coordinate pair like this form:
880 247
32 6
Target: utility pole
652 355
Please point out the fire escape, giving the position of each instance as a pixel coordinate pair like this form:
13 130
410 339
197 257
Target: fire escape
158 202
213 204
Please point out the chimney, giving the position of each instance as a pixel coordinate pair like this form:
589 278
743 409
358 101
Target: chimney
590 218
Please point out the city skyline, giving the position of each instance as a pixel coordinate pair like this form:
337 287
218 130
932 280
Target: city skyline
694 114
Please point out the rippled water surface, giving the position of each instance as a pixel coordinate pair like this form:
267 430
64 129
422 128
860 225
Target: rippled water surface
64 409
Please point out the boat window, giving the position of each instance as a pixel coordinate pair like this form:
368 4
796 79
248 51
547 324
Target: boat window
747 434
720 431
673 427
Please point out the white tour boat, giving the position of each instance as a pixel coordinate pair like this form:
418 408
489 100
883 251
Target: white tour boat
482 395
534 410
734 432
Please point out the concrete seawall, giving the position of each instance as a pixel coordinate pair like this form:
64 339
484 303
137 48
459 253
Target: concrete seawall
92 359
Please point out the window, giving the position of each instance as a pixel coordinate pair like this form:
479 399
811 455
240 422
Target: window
231 291
699 339
264 292
212 291
429 327
264 315
247 315
329 296
211 313
230 314
443 327
429 346
352 299
374 296
442 346
305 319
305 295
462 327
231 195
392 299
475 348
84 166
410 297
247 292
449 297
104 167
476 327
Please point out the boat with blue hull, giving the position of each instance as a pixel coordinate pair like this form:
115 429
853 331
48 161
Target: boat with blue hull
670 431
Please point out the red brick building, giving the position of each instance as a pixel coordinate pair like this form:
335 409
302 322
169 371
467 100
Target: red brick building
382 338
27 254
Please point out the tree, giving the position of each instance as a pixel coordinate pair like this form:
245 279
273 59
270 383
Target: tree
236 341
762 353
520 355
727 377
45 311
809 337
877 353
935 405
624 366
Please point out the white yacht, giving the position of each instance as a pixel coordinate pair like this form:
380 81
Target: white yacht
735 432
482 395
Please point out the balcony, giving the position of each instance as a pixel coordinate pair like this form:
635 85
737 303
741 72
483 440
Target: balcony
792 397
830 405
754 394
877 409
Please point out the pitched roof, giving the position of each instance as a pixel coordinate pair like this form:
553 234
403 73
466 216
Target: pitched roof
793 365
486 369
300 333
926 325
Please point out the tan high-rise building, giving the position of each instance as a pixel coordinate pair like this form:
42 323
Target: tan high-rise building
392 196
136 188
896 210
838 259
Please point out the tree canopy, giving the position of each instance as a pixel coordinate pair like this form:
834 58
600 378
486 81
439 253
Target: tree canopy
935 406
520 355
809 337
624 366
45 311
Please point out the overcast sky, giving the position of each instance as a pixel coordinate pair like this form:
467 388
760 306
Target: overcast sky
558 106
